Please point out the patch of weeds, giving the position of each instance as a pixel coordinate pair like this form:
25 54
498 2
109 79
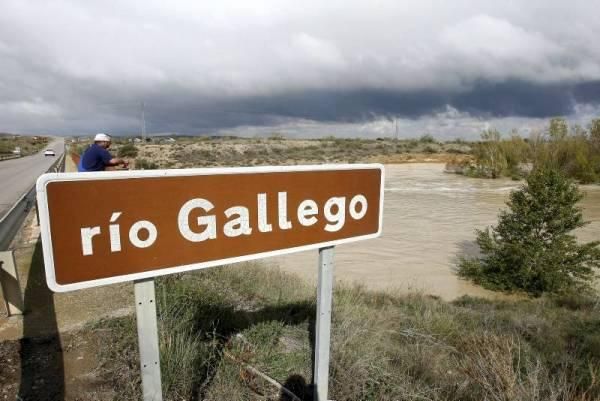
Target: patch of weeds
385 346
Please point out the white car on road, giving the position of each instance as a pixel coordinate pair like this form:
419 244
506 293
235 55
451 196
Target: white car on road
49 152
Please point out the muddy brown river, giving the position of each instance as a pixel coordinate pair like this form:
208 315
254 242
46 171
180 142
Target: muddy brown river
429 219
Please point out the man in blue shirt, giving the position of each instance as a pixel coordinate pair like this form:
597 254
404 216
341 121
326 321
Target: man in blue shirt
97 157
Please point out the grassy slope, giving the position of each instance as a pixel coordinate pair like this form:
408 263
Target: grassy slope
384 347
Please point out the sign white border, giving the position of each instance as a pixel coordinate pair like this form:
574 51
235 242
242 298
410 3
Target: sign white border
42 202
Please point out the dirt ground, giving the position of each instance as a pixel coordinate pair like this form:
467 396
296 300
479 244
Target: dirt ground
44 354
52 368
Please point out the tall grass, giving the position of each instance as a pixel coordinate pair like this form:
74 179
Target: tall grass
384 346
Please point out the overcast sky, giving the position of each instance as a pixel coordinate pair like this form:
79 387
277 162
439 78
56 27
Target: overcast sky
304 68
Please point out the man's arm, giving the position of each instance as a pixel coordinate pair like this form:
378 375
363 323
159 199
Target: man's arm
110 161
115 161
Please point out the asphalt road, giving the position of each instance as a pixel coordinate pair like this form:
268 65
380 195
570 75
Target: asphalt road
17 176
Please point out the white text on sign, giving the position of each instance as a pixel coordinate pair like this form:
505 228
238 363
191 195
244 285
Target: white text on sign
237 223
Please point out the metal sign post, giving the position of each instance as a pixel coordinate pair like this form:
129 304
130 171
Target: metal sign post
145 307
323 324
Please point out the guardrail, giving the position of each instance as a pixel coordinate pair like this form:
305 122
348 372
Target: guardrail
12 220
8 157
9 226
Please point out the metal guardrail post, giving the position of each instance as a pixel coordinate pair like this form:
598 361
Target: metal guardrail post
9 280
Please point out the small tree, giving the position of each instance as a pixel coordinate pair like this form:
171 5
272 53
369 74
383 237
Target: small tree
558 128
595 132
488 153
427 138
532 248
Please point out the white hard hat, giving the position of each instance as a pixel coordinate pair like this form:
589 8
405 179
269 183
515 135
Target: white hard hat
102 138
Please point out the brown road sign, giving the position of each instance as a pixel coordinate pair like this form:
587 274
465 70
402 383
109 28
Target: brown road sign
109 227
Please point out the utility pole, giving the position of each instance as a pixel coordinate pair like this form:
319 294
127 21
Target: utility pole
143 125
396 127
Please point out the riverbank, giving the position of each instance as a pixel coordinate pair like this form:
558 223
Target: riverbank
216 324
223 330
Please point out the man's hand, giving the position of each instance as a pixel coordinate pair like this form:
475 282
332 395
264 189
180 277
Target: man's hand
118 161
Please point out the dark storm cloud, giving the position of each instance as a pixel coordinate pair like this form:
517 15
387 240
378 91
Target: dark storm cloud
587 93
517 99
510 99
69 66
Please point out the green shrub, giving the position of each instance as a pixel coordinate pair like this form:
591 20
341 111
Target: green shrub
427 138
431 149
532 248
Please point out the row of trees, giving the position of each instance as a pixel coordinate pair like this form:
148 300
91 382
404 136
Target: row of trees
575 151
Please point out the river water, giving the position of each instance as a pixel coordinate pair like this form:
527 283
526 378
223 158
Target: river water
429 219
